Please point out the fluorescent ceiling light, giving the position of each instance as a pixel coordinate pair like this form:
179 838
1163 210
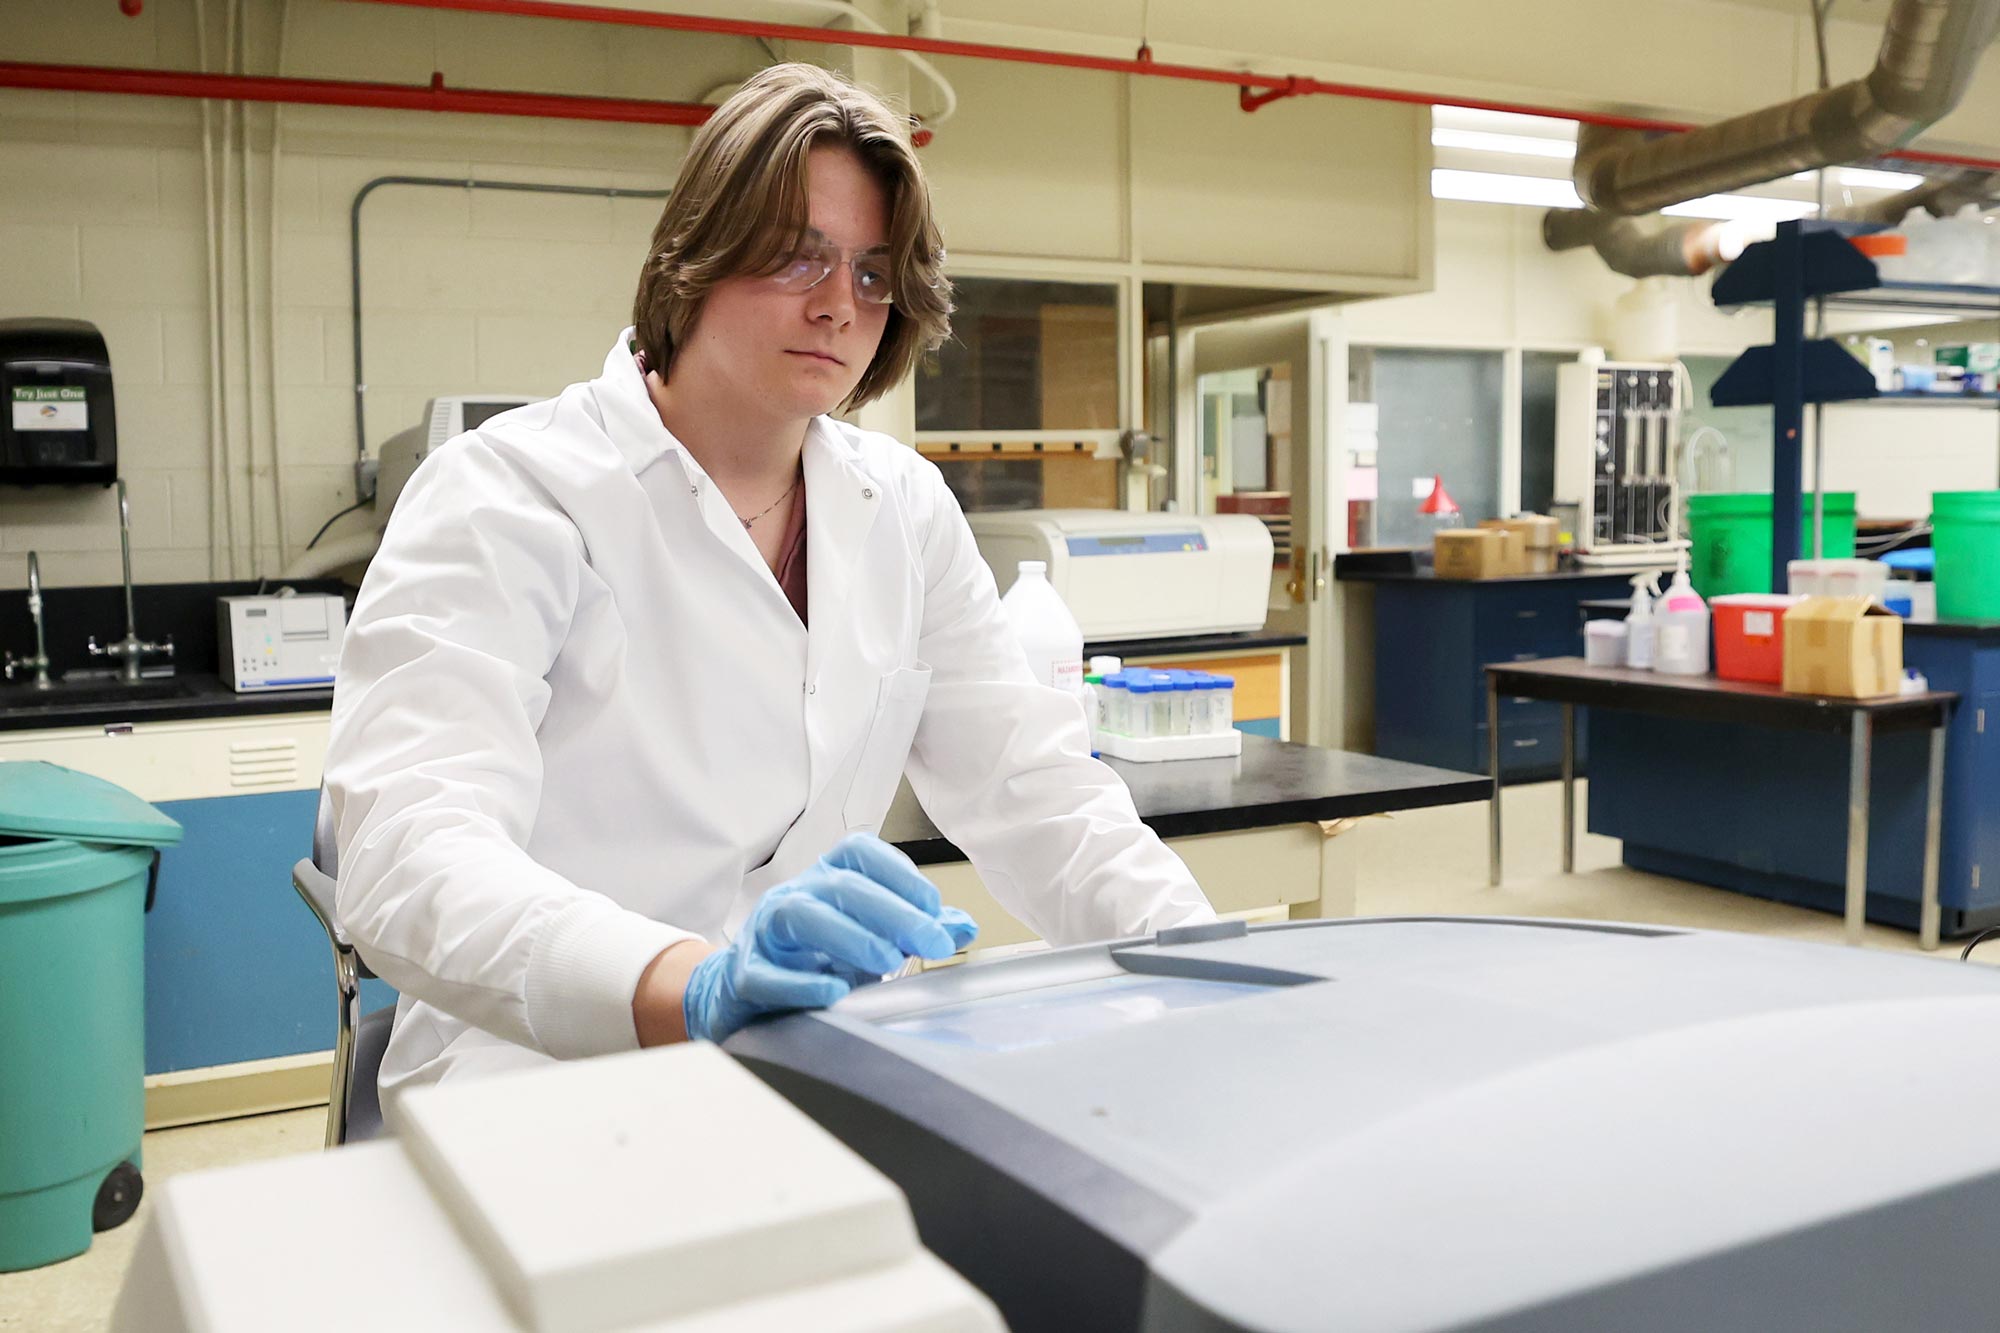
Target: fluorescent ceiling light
1495 187
1485 141
1741 208
1498 187
1867 178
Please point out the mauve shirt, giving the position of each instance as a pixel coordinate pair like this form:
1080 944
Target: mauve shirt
792 557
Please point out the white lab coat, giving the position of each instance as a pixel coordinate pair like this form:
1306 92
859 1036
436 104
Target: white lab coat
576 721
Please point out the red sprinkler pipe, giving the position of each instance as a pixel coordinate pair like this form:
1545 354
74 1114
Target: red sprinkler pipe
1254 90
330 92
1282 85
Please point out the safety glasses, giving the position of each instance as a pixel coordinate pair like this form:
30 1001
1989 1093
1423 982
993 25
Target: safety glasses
816 258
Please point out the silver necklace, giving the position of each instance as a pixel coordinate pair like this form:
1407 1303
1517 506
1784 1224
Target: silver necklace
746 522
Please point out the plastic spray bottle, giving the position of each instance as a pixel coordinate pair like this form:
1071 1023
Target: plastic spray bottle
1639 630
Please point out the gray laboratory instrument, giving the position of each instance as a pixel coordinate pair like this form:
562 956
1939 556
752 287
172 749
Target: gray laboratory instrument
1435 1123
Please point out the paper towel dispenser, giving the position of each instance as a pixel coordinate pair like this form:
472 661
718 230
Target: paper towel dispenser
60 425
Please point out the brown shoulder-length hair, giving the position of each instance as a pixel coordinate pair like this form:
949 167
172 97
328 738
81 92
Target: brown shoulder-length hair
740 207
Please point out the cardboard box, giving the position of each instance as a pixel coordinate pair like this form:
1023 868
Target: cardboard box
1846 646
1470 553
1513 546
1539 540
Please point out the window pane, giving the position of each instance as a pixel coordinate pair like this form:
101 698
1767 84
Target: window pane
1029 356
1538 429
1440 416
1741 461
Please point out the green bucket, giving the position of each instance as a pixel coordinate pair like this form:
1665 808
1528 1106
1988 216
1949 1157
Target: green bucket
76 856
1966 533
1732 538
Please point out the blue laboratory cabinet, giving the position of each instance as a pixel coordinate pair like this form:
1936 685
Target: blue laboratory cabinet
237 968
1433 640
1764 812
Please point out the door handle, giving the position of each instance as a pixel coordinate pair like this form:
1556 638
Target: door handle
1295 586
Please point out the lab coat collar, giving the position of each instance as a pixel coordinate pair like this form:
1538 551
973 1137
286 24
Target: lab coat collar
630 418
842 500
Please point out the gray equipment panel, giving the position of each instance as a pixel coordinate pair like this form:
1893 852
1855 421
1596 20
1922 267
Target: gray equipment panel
1430 1123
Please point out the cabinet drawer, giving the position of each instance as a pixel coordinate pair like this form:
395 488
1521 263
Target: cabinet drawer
1526 746
1543 635
180 761
1517 712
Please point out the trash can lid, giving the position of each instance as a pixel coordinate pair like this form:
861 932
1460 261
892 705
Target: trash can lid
42 800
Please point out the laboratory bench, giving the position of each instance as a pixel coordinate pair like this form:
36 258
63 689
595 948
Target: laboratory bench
239 984
1261 831
1762 708
1433 639
1763 812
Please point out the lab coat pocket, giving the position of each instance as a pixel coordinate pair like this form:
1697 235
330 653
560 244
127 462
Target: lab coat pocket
899 707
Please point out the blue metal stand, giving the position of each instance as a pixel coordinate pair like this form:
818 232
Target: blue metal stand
1807 259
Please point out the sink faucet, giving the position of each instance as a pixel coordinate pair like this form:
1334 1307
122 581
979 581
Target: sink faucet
39 663
131 648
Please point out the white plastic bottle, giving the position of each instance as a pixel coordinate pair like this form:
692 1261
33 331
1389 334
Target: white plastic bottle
1048 633
1682 647
1639 628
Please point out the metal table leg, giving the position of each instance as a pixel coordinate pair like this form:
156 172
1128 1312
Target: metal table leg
1927 921
1569 789
1860 745
1493 766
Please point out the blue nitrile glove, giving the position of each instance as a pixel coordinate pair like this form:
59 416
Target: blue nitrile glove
850 919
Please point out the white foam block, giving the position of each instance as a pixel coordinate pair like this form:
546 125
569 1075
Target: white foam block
1146 749
648 1187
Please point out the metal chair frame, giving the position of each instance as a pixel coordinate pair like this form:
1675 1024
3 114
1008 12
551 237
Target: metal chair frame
314 877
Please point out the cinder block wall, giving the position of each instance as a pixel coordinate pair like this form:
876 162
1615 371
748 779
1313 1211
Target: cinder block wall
107 214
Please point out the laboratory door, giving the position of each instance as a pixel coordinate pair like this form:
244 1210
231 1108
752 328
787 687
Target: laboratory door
1260 394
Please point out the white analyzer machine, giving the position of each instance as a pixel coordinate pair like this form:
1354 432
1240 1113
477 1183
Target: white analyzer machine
1414 1125
1127 575
444 416
289 642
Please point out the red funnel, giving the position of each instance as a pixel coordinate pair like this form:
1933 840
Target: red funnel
1439 501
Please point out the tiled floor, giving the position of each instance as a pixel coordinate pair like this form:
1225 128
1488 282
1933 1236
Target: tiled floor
1429 861
77 1296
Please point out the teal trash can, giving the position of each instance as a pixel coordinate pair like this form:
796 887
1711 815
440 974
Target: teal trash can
77 859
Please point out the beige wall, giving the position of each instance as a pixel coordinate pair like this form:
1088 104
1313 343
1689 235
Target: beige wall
236 432
1497 285
107 214
220 278
1693 60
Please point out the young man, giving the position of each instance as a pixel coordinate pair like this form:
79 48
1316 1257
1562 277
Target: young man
632 681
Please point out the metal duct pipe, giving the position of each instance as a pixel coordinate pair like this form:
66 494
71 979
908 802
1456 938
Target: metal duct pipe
1941 196
1643 247
1929 51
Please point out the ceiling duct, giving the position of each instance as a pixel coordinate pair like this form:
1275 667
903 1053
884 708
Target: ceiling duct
1940 196
1656 247
1644 247
1930 49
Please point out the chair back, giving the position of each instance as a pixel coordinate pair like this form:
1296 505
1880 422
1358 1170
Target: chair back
354 1110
